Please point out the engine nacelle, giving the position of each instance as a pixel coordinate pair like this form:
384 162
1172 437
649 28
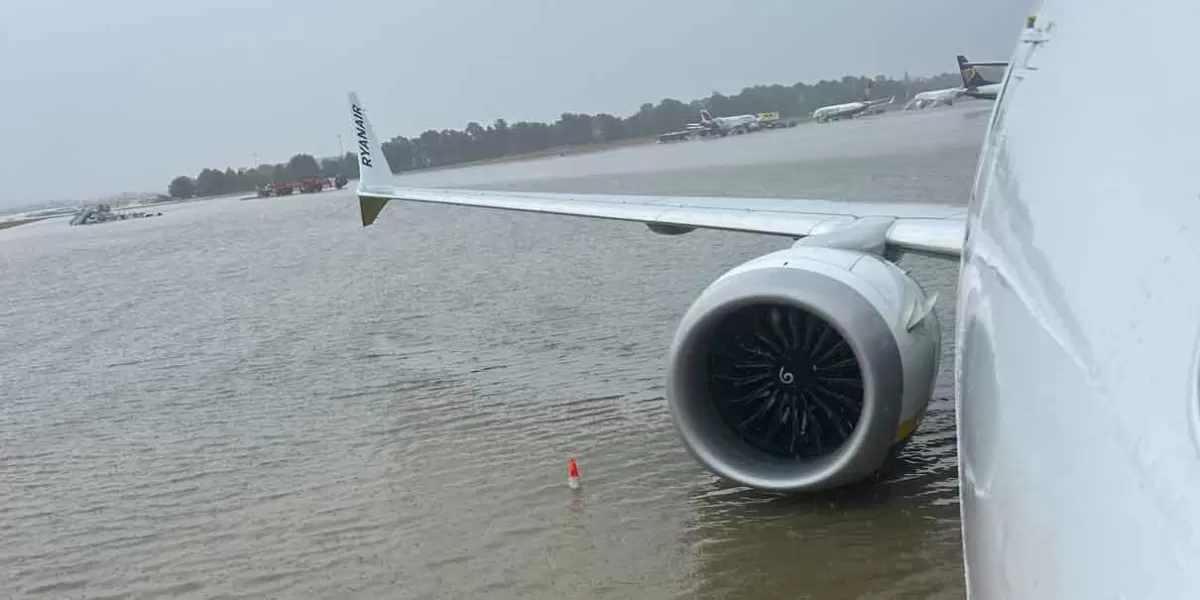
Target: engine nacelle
804 369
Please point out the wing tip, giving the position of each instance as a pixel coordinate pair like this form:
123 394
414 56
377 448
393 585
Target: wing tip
369 207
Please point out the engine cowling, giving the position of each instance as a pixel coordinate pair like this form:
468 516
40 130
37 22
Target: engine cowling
803 369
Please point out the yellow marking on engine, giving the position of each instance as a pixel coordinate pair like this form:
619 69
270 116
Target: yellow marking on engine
908 426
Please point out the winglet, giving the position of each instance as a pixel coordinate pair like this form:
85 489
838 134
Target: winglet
374 173
369 207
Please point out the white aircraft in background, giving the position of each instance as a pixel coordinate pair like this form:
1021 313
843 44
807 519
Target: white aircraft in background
733 124
943 97
847 110
1077 359
976 85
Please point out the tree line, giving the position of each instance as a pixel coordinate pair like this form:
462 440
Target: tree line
215 182
476 142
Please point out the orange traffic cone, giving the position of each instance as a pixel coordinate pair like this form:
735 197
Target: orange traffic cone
572 474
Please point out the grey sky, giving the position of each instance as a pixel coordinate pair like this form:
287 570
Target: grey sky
105 97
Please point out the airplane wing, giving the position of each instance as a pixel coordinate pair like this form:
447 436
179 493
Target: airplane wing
936 229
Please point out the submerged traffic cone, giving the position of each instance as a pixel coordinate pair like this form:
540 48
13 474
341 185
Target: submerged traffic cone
572 474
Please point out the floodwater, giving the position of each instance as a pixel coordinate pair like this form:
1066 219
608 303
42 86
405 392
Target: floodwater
263 399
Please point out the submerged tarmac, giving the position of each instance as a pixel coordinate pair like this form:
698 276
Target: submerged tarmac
264 398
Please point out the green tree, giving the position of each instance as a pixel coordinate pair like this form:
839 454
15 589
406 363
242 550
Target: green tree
182 187
303 166
330 167
211 182
608 127
499 138
399 151
349 166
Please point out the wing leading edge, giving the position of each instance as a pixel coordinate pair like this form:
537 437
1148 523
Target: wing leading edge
927 228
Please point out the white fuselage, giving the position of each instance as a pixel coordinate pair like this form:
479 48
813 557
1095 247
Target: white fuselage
1078 322
984 92
742 122
839 111
846 110
934 98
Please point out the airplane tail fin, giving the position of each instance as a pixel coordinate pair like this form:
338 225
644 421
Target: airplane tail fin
705 117
970 75
373 169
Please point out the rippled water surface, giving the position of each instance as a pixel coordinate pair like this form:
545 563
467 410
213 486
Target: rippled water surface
263 399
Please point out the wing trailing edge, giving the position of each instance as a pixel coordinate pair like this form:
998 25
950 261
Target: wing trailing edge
927 228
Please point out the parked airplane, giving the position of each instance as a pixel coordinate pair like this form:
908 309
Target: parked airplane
943 97
1077 360
848 110
976 85
733 124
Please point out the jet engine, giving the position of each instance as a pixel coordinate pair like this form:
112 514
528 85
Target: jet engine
803 369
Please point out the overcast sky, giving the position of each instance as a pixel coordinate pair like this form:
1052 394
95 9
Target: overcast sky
122 95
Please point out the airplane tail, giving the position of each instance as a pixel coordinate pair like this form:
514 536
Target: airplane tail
705 117
970 75
373 169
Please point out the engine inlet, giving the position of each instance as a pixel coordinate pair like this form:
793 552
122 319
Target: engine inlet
785 381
